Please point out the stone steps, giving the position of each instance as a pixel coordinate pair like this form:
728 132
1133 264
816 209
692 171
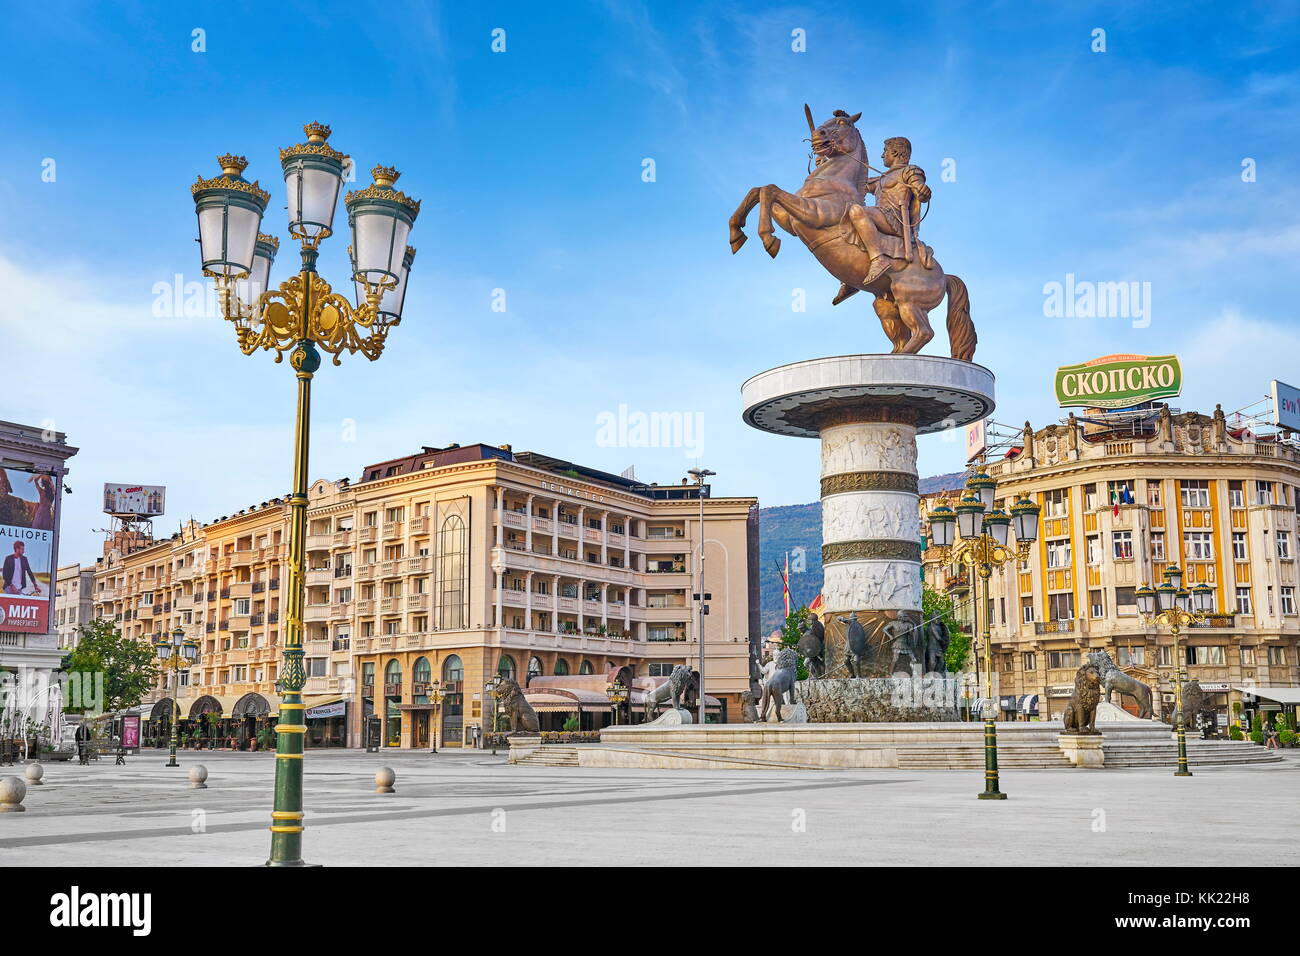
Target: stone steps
551 757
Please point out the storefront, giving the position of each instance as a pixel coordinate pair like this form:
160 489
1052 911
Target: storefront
327 721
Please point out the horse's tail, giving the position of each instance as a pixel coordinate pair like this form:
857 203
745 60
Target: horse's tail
961 330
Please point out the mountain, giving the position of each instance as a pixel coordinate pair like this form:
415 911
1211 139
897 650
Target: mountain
797 529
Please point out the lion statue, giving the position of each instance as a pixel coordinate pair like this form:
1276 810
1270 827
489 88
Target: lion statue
523 719
677 685
780 683
748 707
1081 713
1112 678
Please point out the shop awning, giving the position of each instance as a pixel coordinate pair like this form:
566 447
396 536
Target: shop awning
1280 695
1029 704
254 705
979 704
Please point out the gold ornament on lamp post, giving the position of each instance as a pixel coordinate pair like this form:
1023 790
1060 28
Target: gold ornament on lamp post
303 317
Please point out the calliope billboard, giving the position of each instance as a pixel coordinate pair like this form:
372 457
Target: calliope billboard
28 504
1119 381
1286 406
146 501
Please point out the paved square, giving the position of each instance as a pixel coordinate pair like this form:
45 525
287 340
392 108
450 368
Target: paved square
470 808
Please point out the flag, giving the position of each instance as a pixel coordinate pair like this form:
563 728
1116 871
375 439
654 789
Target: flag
1114 503
816 605
785 584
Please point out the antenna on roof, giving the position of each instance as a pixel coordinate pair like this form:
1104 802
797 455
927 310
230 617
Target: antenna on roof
629 473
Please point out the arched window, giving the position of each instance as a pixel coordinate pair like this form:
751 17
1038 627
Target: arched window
421 673
452 669
534 668
393 679
561 667
586 668
506 667
451 574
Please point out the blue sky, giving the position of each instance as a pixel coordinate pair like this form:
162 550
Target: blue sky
1123 165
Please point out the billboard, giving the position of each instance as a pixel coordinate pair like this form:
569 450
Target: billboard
145 501
28 505
1286 406
976 439
1119 381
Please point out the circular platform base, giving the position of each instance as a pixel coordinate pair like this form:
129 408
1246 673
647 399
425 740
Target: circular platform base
929 391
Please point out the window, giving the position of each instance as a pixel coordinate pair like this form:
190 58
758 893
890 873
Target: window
661 670
1157 546
1058 553
452 568
1165 656
1056 503
241 607
1153 494
370 519
1264 492
1247 657
1122 543
1243 600
1097 603
1061 606
1090 497
1206 655
506 667
1120 493
1288 600
395 514
1197 546
1277 656
316 666
1236 495
1094 550
1194 493
1029 660
1126 601
1132 656
1057 660
1239 545
1284 545
1027 610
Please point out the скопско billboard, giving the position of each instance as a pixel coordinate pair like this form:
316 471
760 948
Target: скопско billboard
27 521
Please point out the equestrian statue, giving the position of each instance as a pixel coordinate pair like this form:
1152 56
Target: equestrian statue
874 248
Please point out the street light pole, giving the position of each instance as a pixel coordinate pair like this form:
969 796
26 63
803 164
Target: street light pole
303 317
700 474
1176 607
174 653
985 544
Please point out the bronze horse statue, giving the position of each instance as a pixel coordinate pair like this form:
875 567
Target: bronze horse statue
829 215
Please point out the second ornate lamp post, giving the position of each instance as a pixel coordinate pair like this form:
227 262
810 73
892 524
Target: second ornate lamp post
303 317
175 653
985 536
1173 606
617 693
435 698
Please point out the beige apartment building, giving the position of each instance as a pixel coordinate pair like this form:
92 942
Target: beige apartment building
1119 505
451 565
74 602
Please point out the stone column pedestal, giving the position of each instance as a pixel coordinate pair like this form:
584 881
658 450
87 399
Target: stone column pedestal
1082 750
868 410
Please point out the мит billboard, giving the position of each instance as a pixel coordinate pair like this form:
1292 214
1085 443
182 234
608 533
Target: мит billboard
27 521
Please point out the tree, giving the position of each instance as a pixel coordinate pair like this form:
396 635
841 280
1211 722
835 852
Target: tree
791 631
937 604
130 667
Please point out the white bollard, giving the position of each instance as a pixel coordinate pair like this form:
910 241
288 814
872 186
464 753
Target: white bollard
33 773
384 780
12 791
198 776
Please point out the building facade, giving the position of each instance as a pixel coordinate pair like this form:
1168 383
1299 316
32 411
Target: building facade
452 565
1118 507
74 602
32 467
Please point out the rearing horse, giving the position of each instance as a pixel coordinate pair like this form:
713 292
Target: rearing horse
819 215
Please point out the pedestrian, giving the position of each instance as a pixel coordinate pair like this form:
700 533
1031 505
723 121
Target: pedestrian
1270 742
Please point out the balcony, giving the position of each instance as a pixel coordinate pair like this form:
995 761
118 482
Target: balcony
419 525
365 572
390 569
394 529
323 575
342 539
243 559
1054 627
418 564
320 542
244 589
316 613
366 606
417 602
368 535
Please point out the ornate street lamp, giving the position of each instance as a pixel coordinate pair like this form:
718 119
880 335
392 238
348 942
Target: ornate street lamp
984 545
702 597
303 316
491 687
175 654
1172 605
617 693
435 697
